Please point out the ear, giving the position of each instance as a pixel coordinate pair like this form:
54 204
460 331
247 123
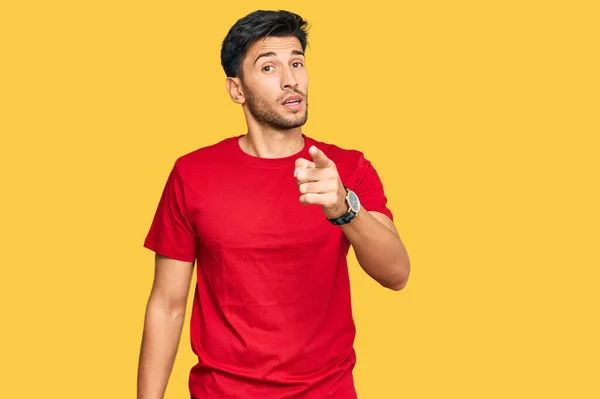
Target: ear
234 88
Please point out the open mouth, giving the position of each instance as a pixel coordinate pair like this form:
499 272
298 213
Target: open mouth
292 101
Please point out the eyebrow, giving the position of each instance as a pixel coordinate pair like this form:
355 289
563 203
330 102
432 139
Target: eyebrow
272 53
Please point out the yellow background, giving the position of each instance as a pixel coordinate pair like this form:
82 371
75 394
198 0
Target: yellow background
482 119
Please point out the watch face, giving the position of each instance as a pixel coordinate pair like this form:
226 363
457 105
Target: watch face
353 201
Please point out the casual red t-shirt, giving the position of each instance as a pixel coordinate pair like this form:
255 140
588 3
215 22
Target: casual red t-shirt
271 316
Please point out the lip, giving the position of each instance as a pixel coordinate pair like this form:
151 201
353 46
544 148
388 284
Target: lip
292 98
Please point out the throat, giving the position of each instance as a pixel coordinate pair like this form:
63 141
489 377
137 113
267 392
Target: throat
272 146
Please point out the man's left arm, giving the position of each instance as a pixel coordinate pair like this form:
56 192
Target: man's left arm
378 248
376 242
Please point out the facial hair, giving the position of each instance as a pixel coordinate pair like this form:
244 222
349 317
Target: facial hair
267 115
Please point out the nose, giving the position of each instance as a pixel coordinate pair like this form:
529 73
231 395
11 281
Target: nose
288 79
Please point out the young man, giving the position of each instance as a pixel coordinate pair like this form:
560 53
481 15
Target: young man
268 217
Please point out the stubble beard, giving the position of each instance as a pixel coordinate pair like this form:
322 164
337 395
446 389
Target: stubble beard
266 114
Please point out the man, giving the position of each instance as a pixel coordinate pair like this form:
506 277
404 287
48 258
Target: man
268 217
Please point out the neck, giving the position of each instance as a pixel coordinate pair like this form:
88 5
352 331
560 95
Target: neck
263 142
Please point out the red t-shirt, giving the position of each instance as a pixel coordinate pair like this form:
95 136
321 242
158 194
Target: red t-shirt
271 316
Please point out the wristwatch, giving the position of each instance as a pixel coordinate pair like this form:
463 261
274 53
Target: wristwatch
353 208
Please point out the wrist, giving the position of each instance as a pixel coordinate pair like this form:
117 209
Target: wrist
350 209
339 209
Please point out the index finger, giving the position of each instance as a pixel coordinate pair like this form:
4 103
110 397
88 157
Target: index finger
321 160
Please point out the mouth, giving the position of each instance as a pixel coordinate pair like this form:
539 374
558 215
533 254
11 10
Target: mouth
292 102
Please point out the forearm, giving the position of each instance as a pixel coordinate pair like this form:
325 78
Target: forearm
162 332
379 250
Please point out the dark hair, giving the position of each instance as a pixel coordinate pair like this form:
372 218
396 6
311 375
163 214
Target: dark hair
254 26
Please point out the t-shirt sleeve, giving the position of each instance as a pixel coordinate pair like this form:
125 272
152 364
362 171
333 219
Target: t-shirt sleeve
369 188
171 232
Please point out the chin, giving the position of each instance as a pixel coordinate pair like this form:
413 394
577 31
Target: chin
298 120
297 123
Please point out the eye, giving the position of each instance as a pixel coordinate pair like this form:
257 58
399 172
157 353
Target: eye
297 64
268 68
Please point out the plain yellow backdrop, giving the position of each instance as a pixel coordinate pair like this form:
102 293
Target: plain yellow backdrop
482 119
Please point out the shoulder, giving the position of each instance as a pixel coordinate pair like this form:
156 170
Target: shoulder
205 156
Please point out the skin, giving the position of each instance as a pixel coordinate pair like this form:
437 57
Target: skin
268 80
273 70
163 323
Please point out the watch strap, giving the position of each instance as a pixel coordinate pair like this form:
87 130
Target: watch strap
344 219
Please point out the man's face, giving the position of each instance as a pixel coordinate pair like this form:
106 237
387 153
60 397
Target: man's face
275 82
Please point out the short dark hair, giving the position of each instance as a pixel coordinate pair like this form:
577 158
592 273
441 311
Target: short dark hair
254 26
